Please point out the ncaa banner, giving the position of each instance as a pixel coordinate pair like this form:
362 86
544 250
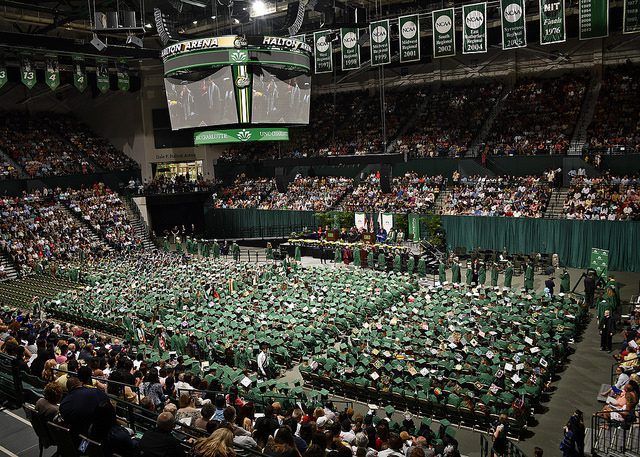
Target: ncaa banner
51 71
594 19
3 72
27 71
122 70
474 28
631 16
102 74
514 24
350 48
380 42
323 53
552 22
444 33
79 73
409 32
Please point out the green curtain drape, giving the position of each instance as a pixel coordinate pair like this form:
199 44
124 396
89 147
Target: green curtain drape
255 223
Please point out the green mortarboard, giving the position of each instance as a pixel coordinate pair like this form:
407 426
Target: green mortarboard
444 423
389 410
426 421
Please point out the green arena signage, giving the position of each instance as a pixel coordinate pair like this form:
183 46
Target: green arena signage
241 135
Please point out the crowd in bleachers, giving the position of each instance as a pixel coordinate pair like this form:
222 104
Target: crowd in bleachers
7 170
309 194
616 119
178 184
606 197
538 116
502 196
244 193
449 119
409 193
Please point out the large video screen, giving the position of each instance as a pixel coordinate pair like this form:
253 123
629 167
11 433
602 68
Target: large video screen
201 103
280 97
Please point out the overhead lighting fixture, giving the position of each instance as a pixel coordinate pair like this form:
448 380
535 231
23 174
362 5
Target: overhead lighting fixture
98 43
132 39
213 17
261 8
195 22
236 20
148 26
194 3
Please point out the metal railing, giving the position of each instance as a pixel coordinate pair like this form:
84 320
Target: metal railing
486 448
614 437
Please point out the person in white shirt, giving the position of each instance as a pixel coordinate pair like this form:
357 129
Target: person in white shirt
623 379
263 362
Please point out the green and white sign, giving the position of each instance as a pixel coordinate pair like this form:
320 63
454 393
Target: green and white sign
51 71
79 73
350 48
27 71
380 42
409 33
514 24
594 19
552 22
122 69
102 74
631 21
414 226
444 32
474 28
241 135
3 72
323 52
600 261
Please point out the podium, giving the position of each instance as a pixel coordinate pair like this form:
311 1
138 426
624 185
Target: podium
333 235
369 237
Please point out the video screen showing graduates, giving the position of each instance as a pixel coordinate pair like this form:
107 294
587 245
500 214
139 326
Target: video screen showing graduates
280 96
203 102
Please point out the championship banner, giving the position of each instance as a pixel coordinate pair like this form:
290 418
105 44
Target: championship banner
594 19
474 28
514 24
102 74
51 71
414 226
380 45
444 33
27 71
122 69
3 72
552 22
360 220
350 48
79 73
631 16
323 52
409 33
600 261
387 221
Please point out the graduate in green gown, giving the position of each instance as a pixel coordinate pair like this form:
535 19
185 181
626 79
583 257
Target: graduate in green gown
269 252
422 267
165 245
382 262
178 247
216 249
370 261
297 254
235 251
494 275
337 256
442 272
508 275
455 272
356 257
411 264
528 278
397 263
469 276
482 274
565 282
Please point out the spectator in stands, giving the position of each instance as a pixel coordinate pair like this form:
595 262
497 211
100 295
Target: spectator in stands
159 441
187 414
219 444
282 444
113 437
48 405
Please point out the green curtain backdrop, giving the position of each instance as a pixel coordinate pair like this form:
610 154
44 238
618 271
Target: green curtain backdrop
256 223
571 240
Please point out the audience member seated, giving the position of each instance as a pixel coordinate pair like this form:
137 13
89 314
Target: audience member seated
538 117
7 170
244 193
607 197
449 119
410 193
616 119
309 194
178 184
501 196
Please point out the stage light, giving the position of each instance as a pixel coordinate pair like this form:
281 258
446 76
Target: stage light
236 20
148 26
98 43
213 17
195 22
259 8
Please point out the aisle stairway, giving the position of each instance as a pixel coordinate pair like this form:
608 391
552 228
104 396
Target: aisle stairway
94 236
474 147
440 201
137 222
556 204
5 157
8 267
579 137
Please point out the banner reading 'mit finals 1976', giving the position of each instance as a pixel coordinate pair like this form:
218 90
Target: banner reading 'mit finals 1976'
350 48
594 19
514 24
474 28
380 42
552 22
409 28
631 14
322 52
444 33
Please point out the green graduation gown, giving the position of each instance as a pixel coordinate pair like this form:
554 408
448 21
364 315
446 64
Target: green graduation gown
565 282
337 257
235 250
469 277
455 272
382 262
508 276
269 253
297 254
356 257
411 264
528 278
482 275
494 275
216 250
370 259
397 263
422 267
442 273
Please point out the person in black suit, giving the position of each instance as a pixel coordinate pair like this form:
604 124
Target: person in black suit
589 288
606 331
159 442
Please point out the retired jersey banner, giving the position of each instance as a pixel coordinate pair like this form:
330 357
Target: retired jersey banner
350 48
79 73
27 71
102 74
409 32
3 72
380 43
322 52
631 21
514 24
552 22
474 28
122 69
594 19
444 33
51 71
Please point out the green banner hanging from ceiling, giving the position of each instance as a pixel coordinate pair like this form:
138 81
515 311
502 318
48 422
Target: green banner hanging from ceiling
514 24
631 15
380 43
102 74
594 19
350 48
444 33
79 73
122 68
552 22
474 28
51 71
322 52
409 29
27 71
